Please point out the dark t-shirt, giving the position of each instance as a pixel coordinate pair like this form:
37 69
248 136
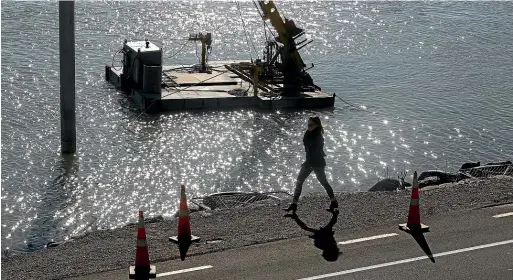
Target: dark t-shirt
314 148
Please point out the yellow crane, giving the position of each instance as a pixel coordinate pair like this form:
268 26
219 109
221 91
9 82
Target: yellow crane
295 77
287 29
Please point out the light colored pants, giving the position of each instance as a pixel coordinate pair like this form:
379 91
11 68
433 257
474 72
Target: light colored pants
304 173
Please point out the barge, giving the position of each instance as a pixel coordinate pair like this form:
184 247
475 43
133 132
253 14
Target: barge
279 80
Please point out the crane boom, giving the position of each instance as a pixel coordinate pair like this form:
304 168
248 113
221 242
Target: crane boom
286 29
292 66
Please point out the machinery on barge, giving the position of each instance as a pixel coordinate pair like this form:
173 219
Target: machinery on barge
278 80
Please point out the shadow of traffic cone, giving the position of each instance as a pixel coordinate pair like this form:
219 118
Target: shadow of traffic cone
142 269
413 225
184 239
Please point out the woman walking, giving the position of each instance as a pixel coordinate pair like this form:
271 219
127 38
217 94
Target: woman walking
314 146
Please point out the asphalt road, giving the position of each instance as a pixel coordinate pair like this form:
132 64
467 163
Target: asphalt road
461 245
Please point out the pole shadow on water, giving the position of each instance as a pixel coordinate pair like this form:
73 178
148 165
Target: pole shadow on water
56 197
323 238
261 141
421 240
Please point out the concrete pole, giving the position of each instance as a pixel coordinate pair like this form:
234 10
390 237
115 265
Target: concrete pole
67 75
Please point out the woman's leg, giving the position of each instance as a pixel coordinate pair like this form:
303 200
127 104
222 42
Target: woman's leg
303 174
321 176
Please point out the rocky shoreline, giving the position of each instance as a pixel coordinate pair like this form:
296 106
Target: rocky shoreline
438 177
105 250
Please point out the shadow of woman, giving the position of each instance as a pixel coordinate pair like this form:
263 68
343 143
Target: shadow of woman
323 237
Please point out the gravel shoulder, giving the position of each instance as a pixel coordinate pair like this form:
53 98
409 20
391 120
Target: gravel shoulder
106 250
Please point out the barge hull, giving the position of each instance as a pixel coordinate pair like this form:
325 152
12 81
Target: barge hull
221 89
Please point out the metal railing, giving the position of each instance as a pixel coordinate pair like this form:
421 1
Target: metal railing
488 171
230 200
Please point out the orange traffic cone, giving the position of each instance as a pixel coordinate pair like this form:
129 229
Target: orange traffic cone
184 238
142 269
413 225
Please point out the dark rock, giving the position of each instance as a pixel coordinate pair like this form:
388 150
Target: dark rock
470 165
430 181
437 177
155 219
388 185
444 177
431 173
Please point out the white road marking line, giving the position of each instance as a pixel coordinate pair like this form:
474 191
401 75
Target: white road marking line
367 238
503 215
408 260
184 270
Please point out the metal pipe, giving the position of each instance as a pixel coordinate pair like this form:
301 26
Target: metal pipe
298 35
67 75
203 55
301 42
304 45
275 57
309 67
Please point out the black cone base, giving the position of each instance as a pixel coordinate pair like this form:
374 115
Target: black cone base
184 242
140 273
